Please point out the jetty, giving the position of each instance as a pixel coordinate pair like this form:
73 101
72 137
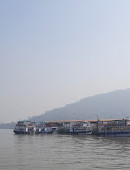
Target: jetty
108 127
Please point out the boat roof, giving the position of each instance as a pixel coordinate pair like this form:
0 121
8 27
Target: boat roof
91 121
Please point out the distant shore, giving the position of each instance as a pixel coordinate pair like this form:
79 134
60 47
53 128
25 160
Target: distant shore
10 125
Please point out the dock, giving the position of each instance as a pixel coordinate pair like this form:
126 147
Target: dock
108 127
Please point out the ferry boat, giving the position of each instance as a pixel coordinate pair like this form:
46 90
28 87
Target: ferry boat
28 127
81 128
115 127
25 127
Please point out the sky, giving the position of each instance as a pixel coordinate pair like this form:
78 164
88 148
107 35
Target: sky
56 52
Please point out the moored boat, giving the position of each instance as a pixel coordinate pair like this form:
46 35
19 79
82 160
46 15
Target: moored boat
25 127
116 127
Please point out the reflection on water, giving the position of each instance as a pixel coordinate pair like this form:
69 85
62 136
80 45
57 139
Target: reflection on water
31 152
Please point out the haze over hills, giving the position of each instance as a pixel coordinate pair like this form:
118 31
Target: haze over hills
10 125
110 105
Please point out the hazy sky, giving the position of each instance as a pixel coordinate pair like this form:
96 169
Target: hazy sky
55 52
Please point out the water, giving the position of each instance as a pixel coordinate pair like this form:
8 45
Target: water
62 152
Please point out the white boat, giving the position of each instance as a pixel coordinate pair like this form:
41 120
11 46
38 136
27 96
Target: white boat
25 127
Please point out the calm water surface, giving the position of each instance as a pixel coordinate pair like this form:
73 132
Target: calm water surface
62 152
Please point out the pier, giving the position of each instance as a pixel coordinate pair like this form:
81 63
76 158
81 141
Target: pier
109 127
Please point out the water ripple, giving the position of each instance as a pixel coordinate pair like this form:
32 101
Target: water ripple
62 152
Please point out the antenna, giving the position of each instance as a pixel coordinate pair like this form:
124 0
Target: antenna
97 118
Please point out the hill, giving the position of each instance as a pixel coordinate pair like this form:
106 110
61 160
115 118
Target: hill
110 105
